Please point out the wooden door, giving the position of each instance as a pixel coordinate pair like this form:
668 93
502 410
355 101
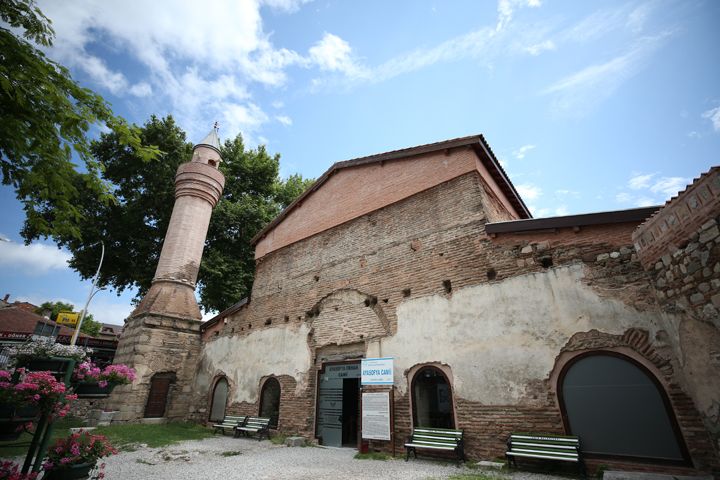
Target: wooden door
157 399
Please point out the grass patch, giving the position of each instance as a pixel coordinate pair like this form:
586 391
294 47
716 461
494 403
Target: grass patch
372 456
231 453
278 439
61 428
143 461
128 436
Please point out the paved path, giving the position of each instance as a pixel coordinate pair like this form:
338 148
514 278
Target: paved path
204 459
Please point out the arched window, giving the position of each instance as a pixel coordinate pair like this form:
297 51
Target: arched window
432 399
270 401
618 408
219 400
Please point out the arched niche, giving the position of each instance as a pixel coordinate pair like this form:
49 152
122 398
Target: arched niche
218 402
619 409
432 398
270 401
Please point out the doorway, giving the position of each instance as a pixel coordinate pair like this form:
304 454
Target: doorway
158 395
339 404
219 400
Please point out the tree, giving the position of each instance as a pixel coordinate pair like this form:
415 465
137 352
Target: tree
134 226
89 325
45 117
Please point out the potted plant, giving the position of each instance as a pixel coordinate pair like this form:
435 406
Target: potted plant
43 354
94 382
16 412
11 471
76 456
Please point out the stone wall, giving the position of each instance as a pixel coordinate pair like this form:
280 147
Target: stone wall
153 344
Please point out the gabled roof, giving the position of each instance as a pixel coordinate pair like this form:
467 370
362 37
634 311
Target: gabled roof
477 142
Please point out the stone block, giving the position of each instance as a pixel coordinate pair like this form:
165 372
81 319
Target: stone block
526 249
697 298
602 257
709 234
295 441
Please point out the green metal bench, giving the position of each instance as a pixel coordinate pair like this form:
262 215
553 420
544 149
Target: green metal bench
258 426
229 423
544 447
441 439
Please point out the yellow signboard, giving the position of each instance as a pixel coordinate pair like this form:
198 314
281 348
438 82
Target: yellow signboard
67 318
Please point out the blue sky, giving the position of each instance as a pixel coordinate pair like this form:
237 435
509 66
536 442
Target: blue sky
591 106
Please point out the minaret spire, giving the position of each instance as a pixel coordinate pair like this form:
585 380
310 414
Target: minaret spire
198 187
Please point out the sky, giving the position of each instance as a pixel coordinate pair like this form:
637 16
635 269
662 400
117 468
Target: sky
590 106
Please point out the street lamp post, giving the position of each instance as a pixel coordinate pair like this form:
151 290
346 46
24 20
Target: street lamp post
90 295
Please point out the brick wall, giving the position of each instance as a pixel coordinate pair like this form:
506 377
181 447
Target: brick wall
431 244
670 228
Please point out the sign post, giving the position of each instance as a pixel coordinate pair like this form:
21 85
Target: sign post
67 318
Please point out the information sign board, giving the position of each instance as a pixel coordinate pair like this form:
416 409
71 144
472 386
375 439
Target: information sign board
376 416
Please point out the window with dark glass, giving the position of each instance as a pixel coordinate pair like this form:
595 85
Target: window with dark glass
617 409
270 401
432 399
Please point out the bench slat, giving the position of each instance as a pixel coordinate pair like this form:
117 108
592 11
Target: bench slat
541 456
436 447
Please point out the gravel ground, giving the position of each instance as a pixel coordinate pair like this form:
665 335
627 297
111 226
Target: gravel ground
204 459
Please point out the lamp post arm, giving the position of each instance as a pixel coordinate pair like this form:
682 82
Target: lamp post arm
90 295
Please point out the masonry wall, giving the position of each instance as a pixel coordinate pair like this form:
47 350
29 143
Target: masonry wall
153 344
420 281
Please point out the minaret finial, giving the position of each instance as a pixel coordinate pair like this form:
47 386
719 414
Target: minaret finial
216 126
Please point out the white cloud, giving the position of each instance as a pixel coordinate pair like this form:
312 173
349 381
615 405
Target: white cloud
578 93
529 191
522 151
714 116
142 89
640 181
334 54
670 186
565 192
538 48
36 258
645 202
284 119
277 104
623 197
562 210
196 60
506 8
539 212
285 5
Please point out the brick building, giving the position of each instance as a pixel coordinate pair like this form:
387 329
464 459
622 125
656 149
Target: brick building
602 325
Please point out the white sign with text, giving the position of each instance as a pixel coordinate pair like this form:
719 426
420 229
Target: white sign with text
376 371
376 416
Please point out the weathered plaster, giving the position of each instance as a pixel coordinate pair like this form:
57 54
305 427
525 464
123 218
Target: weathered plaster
501 338
247 359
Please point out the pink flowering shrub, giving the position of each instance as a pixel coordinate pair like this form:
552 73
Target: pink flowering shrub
39 389
78 448
112 374
11 471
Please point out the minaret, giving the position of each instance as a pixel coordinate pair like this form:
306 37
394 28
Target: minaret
161 338
198 186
